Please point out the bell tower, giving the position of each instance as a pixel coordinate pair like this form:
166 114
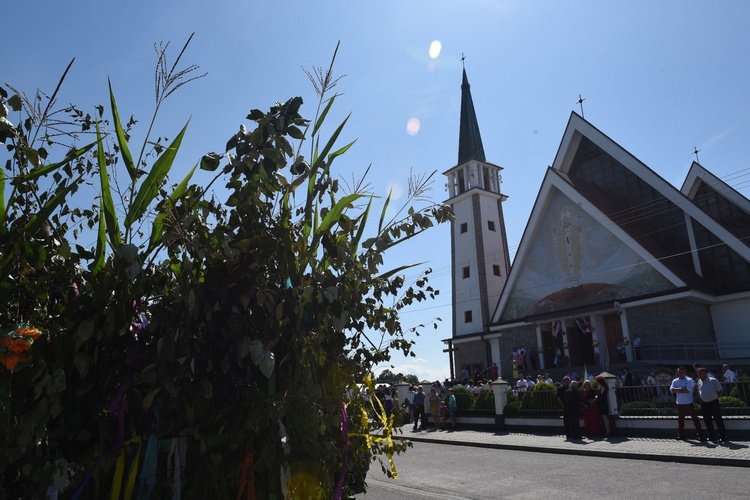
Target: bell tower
479 247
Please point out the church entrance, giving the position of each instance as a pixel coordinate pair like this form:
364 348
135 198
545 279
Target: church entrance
613 329
551 345
580 342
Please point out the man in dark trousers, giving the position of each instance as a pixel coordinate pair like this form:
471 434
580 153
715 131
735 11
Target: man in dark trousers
710 390
561 398
419 408
572 412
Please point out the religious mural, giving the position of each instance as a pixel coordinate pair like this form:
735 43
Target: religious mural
574 260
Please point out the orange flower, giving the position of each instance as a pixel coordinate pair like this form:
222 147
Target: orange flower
28 331
18 345
12 360
15 344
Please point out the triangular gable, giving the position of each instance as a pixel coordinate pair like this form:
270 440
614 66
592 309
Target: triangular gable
681 268
698 173
578 128
718 200
572 255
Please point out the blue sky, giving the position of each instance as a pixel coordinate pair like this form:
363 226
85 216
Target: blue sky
660 78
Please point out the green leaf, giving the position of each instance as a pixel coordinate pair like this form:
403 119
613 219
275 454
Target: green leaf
382 213
340 151
2 194
101 244
334 214
150 186
45 169
329 144
322 116
38 219
122 141
390 273
210 161
157 231
362 224
108 206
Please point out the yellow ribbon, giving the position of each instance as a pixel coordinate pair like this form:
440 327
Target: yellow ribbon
387 426
120 469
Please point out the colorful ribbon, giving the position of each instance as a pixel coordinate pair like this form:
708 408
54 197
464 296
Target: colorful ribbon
247 484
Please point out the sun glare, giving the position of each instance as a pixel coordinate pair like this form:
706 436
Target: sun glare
412 126
435 48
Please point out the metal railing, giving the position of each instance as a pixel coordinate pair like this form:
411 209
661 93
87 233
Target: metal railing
658 401
696 350
633 401
471 405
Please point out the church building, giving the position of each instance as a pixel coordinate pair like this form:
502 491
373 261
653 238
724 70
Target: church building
615 265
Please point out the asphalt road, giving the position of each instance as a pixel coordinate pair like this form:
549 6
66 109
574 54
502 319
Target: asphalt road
437 471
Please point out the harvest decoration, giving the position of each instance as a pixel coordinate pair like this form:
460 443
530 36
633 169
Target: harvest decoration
15 343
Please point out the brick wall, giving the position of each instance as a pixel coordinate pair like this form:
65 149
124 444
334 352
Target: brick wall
678 321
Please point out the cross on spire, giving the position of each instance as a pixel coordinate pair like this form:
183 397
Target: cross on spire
695 152
463 57
580 103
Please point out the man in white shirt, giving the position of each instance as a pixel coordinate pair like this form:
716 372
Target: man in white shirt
729 375
682 388
710 390
521 385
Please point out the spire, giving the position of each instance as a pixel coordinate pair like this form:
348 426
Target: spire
469 139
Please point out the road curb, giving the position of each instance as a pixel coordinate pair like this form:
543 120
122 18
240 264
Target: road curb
659 457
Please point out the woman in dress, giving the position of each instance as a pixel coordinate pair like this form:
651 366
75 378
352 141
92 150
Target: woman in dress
602 403
591 425
434 408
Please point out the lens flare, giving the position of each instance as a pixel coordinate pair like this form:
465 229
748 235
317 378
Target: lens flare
395 190
435 48
412 126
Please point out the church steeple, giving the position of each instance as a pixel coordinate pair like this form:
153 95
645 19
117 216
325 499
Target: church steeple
469 138
479 248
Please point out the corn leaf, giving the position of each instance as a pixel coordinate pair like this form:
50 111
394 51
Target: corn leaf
127 158
150 187
362 224
390 273
329 144
108 206
44 213
100 254
322 116
382 213
334 214
45 169
158 224
2 194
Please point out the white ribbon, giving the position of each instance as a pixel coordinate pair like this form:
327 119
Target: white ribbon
176 463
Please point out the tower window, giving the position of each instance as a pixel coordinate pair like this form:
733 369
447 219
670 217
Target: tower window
467 317
491 225
467 272
464 227
495 269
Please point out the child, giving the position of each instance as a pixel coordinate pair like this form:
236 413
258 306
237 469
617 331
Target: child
443 410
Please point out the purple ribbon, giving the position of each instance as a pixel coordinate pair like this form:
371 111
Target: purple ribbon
347 443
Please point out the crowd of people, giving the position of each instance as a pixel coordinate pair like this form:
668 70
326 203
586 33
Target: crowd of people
580 397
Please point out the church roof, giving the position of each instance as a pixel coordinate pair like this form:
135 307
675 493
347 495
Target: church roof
606 228
718 200
469 138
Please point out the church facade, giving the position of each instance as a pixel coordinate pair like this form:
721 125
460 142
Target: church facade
615 264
